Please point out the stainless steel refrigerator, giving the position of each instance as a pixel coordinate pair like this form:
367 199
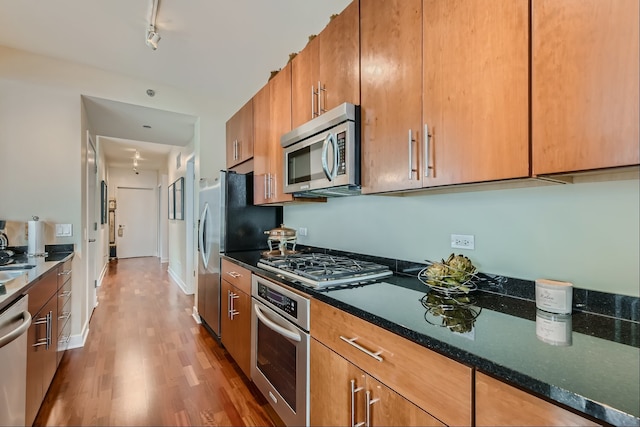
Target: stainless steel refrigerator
229 222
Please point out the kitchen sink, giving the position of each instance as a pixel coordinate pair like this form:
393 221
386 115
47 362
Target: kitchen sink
21 266
6 276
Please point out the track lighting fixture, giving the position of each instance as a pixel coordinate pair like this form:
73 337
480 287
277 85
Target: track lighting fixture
152 38
152 34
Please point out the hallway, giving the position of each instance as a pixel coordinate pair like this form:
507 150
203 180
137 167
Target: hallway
147 362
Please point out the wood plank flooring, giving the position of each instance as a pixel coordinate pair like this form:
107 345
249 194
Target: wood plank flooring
147 362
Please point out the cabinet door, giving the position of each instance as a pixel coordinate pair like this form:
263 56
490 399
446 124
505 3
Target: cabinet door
340 59
339 391
262 145
239 135
388 408
476 62
391 94
330 380
584 84
235 325
305 74
499 404
280 121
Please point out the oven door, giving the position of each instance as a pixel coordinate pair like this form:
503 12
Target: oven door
280 364
322 161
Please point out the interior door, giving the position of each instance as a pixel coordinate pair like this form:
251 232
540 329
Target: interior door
136 223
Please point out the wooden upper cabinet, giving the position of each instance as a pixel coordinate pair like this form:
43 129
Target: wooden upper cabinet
499 404
475 99
261 146
391 94
272 119
280 124
239 135
332 61
584 84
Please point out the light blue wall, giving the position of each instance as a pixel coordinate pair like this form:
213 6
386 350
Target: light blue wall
587 233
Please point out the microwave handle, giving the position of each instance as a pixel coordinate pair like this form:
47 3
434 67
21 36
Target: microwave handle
330 139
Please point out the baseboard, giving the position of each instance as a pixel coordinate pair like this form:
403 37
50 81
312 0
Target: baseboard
102 274
77 341
178 280
196 315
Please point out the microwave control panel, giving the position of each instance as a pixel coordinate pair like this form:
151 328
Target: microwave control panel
342 165
283 302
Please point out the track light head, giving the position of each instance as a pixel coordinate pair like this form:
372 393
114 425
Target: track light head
152 38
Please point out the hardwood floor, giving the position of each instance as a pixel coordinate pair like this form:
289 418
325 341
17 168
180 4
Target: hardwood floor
147 362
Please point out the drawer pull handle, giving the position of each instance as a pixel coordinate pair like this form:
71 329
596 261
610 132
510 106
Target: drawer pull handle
234 274
353 342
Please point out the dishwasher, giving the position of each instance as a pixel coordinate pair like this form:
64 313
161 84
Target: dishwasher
14 323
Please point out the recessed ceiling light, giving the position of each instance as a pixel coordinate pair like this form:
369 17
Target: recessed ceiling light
146 126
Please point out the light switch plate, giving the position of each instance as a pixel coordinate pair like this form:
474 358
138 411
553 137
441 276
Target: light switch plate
64 230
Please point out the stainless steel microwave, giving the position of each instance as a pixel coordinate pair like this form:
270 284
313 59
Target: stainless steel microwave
322 157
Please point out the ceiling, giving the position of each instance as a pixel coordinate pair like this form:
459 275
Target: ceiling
221 48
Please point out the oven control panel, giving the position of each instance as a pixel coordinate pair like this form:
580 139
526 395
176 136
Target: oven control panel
283 302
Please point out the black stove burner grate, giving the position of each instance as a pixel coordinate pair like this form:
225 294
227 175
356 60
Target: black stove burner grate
323 268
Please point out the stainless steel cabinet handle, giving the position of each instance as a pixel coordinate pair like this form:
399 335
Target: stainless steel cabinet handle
233 311
313 104
427 142
234 274
269 192
67 272
64 294
92 240
368 404
13 335
265 186
354 390
65 315
411 168
353 342
320 90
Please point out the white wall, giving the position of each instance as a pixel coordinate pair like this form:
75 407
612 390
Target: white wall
178 266
584 233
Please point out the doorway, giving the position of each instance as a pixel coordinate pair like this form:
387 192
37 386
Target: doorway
92 221
136 229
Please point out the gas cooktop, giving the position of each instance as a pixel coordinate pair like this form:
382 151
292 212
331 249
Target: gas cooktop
320 270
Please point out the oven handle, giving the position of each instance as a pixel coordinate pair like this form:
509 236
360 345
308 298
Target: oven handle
275 327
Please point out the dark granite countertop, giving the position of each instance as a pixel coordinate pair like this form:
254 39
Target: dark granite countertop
10 291
593 365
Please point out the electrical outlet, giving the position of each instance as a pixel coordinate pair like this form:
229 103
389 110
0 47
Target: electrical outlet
463 241
302 231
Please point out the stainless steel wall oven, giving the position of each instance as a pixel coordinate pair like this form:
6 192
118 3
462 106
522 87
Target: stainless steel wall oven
280 349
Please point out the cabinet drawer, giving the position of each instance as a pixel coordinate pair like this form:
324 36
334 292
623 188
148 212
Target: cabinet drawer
434 382
238 276
42 291
64 295
64 273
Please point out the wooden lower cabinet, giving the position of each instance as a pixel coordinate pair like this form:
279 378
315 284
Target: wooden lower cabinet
341 392
436 383
499 404
235 325
42 337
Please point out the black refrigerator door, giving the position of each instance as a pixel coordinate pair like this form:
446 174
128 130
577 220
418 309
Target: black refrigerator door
245 224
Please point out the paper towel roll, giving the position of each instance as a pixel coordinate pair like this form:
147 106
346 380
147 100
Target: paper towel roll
36 238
